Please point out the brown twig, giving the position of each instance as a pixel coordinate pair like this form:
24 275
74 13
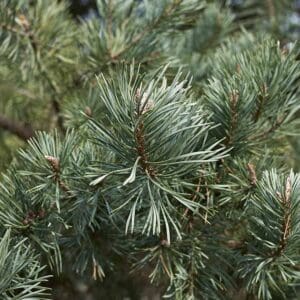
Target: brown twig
271 8
140 138
54 101
24 132
32 216
109 18
261 98
273 128
193 198
252 173
194 195
234 98
12 29
286 225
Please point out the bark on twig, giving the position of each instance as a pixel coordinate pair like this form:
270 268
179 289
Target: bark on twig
23 131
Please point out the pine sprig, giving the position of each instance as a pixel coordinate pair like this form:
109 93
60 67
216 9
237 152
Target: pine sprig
273 250
156 168
257 90
21 274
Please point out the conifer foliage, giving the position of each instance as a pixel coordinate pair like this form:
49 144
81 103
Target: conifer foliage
160 143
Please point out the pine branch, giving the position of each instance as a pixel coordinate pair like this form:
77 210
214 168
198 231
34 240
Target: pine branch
147 30
21 274
24 132
273 224
167 13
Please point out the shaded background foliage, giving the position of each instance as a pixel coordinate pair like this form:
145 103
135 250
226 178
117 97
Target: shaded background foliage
196 48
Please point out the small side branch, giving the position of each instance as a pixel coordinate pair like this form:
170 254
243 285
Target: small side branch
146 104
140 139
202 183
252 174
261 101
234 98
194 196
271 130
286 224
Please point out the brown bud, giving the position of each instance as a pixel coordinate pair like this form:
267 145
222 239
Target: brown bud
264 89
23 21
234 97
54 162
25 221
138 94
31 215
141 99
252 173
146 103
165 243
288 189
278 194
234 244
88 111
